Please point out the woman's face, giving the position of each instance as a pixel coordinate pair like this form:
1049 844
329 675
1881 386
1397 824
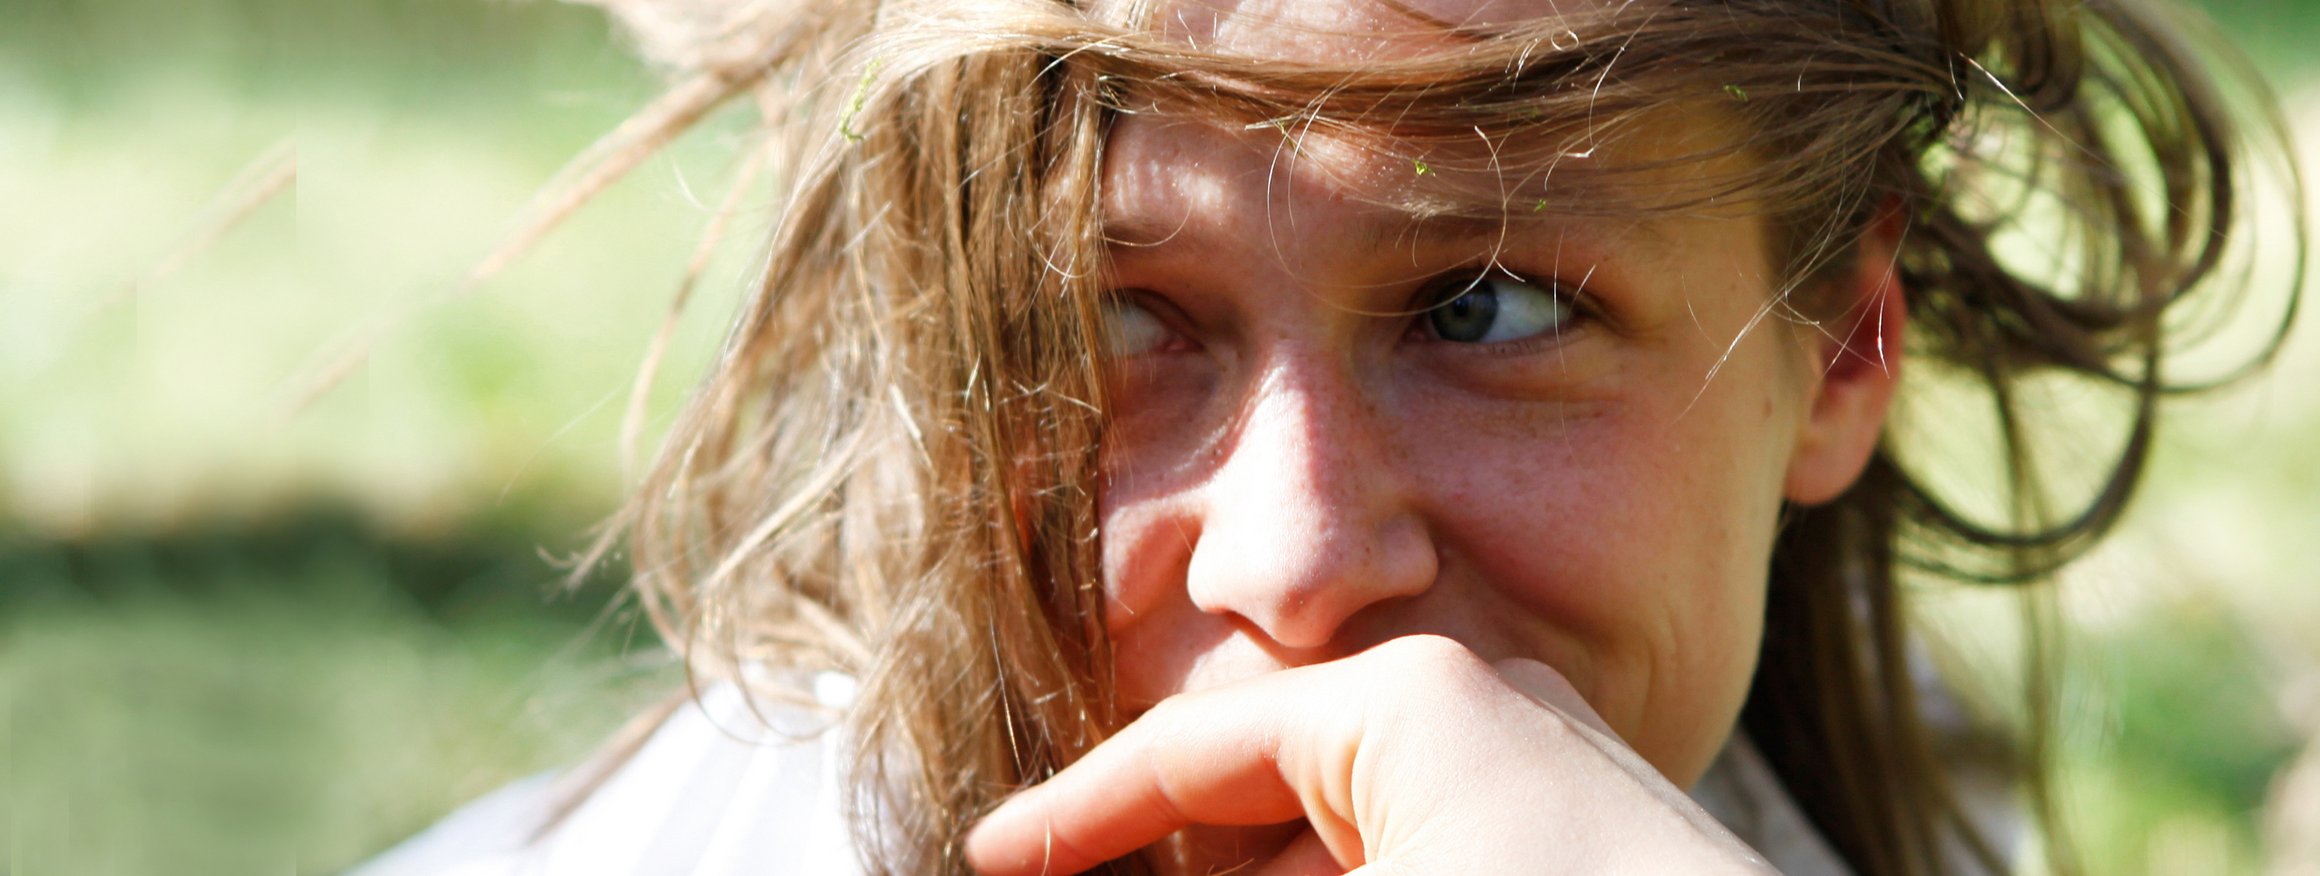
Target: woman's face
1580 459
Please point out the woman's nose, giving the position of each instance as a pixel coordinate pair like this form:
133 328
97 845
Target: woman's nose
1307 520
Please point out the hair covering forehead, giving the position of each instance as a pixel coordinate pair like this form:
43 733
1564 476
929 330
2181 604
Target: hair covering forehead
1336 30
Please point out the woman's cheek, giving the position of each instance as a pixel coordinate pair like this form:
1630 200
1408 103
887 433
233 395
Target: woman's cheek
1588 523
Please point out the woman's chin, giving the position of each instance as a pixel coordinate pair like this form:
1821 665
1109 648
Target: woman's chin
1202 850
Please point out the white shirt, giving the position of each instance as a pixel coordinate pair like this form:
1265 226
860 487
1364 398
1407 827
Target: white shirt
721 789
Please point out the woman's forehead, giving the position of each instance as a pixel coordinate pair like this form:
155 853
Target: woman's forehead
1190 185
1171 157
1472 14
1161 167
1331 30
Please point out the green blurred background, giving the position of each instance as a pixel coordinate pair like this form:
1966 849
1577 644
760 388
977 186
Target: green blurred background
238 639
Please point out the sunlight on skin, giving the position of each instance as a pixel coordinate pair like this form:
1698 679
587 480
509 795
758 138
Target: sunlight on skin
1298 474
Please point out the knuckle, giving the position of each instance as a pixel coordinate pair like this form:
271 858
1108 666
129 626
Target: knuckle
1171 711
1426 664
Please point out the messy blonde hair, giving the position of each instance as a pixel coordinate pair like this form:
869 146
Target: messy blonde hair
890 469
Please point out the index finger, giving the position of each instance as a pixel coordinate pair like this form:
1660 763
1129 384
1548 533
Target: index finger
1224 757
1541 682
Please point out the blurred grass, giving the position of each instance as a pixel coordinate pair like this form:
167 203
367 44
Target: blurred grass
416 146
237 642
286 699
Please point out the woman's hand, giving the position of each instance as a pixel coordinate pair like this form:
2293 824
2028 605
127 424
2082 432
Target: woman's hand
1413 757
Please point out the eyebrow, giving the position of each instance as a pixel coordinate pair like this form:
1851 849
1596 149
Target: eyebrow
1387 229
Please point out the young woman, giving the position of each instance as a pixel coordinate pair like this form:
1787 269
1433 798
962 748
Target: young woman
1394 436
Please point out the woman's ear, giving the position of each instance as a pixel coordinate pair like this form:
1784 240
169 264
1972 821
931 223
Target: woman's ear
1858 357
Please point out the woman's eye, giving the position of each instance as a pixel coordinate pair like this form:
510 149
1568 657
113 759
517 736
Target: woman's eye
1130 329
1492 310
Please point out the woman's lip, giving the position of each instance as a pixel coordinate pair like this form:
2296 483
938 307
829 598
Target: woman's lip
1217 669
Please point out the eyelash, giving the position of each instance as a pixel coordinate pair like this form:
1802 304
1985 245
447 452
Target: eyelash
1158 309
1585 309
